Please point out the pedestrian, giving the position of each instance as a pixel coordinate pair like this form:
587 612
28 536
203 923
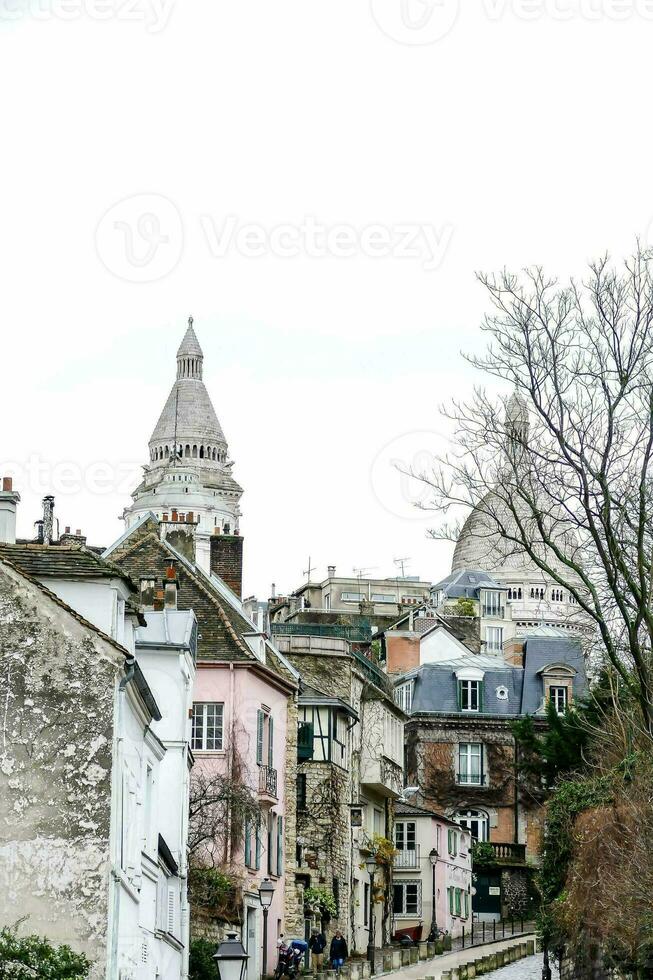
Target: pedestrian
338 952
317 945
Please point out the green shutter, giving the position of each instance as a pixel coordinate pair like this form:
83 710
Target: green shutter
271 742
280 846
259 737
258 845
458 909
450 892
304 741
248 844
449 842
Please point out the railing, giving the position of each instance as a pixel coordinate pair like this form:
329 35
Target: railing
479 933
355 634
392 775
267 781
508 852
490 612
406 858
471 779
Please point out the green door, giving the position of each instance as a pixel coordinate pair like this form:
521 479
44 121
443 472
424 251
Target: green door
487 899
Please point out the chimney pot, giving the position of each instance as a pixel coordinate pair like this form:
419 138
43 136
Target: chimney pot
331 570
8 501
78 532
67 530
7 484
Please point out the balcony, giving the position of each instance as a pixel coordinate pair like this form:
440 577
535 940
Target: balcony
267 783
407 859
493 612
382 775
509 853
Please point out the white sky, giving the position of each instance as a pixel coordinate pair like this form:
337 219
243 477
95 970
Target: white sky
521 135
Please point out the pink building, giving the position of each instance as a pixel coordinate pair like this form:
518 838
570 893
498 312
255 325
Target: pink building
432 876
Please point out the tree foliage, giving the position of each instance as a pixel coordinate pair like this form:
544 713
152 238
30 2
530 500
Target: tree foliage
30 957
563 477
202 966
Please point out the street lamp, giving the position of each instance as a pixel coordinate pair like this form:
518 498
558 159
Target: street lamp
231 958
433 858
265 894
370 864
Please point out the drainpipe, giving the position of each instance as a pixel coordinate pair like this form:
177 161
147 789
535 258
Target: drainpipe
516 793
130 670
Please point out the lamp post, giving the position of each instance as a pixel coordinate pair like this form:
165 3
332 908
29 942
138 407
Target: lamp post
433 858
370 864
231 958
265 894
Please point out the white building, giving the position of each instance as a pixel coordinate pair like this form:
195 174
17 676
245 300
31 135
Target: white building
188 477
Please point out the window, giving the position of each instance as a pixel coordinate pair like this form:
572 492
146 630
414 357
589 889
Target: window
470 763
264 738
327 601
493 639
352 597
470 695
207 729
493 603
452 842
558 696
404 696
301 791
381 597
407 898
366 904
405 835
476 822
557 595
378 822
304 741
514 592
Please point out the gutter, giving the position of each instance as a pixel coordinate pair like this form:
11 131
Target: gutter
130 670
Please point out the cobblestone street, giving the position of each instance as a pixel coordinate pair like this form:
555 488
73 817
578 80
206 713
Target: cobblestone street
528 969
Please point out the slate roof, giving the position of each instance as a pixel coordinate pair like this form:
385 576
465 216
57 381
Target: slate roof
435 685
311 696
403 809
223 626
466 583
190 345
62 561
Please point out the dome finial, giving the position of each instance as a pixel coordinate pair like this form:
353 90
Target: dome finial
189 355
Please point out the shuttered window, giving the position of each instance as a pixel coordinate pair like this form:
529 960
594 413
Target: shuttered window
279 845
260 720
271 742
248 844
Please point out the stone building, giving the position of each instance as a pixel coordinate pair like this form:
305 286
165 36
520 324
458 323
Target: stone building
86 852
349 773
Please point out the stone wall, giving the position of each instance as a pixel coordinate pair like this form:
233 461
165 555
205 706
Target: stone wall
58 679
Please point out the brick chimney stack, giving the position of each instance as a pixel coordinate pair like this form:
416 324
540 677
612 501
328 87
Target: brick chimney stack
227 560
48 519
8 501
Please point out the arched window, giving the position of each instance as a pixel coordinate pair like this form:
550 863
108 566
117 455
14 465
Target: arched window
187 450
201 452
194 452
167 452
215 454
476 822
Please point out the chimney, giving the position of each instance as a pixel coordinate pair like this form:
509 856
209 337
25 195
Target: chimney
331 571
170 586
77 538
227 560
39 531
273 592
8 501
48 519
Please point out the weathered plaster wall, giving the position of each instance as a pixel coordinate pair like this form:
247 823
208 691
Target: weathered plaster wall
57 685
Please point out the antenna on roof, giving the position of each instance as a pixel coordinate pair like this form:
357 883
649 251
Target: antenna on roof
307 571
402 562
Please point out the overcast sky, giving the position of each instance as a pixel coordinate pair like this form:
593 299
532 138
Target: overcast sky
317 183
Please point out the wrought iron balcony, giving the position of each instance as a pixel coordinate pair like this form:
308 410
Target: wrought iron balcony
267 782
407 858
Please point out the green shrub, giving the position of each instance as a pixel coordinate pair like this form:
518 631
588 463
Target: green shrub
202 965
35 958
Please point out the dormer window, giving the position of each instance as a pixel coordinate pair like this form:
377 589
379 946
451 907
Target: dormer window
470 695
558 697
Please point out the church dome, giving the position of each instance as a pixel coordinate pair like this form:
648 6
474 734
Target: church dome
188 413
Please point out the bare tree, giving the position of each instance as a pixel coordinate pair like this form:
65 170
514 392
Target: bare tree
560 472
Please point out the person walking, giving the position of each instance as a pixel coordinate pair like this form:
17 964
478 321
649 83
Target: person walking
317 945
338 951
